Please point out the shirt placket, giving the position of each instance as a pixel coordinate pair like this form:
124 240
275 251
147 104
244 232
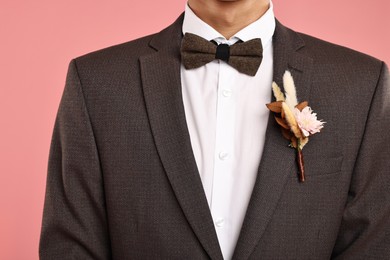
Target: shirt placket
224 153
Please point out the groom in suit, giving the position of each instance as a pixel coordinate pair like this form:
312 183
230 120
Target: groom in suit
163 147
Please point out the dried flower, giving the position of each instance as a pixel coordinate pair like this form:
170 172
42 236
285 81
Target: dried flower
307 121
298 121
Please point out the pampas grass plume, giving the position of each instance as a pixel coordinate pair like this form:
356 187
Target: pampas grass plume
277 92
289 87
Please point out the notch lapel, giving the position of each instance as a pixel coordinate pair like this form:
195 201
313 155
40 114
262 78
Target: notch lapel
277 161
160 73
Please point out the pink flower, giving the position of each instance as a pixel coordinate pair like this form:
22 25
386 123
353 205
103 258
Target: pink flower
307 121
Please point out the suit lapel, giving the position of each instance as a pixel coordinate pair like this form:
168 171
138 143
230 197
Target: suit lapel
277 161
160 72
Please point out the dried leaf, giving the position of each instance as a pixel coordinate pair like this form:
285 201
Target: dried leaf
275 106
294 142
302 105
282 122
287 134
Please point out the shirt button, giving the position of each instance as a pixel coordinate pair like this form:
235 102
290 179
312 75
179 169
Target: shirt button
226 92
220 222
223 155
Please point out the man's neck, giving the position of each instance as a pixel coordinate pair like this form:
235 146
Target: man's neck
229 17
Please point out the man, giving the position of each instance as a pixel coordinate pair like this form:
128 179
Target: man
156 155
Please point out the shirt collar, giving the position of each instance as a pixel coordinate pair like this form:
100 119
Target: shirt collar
262 28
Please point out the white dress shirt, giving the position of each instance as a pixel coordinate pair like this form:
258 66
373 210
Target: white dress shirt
227 118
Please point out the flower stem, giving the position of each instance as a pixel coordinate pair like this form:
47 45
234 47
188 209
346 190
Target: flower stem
301 164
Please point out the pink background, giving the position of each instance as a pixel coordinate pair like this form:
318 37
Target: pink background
38 39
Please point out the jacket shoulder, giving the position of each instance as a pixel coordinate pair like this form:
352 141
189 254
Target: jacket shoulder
129 52
326 52
122 53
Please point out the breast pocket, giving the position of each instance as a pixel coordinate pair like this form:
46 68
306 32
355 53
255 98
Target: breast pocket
323 153
322 164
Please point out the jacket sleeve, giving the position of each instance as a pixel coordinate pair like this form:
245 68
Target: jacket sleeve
365 227
74 224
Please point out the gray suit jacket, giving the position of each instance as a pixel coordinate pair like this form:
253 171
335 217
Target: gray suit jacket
123 183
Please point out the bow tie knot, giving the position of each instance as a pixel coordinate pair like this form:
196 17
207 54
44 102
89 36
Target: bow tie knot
245 57
223 52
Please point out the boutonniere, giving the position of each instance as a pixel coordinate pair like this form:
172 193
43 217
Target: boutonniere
298 121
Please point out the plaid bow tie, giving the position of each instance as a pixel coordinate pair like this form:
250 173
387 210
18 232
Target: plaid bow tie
243 56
